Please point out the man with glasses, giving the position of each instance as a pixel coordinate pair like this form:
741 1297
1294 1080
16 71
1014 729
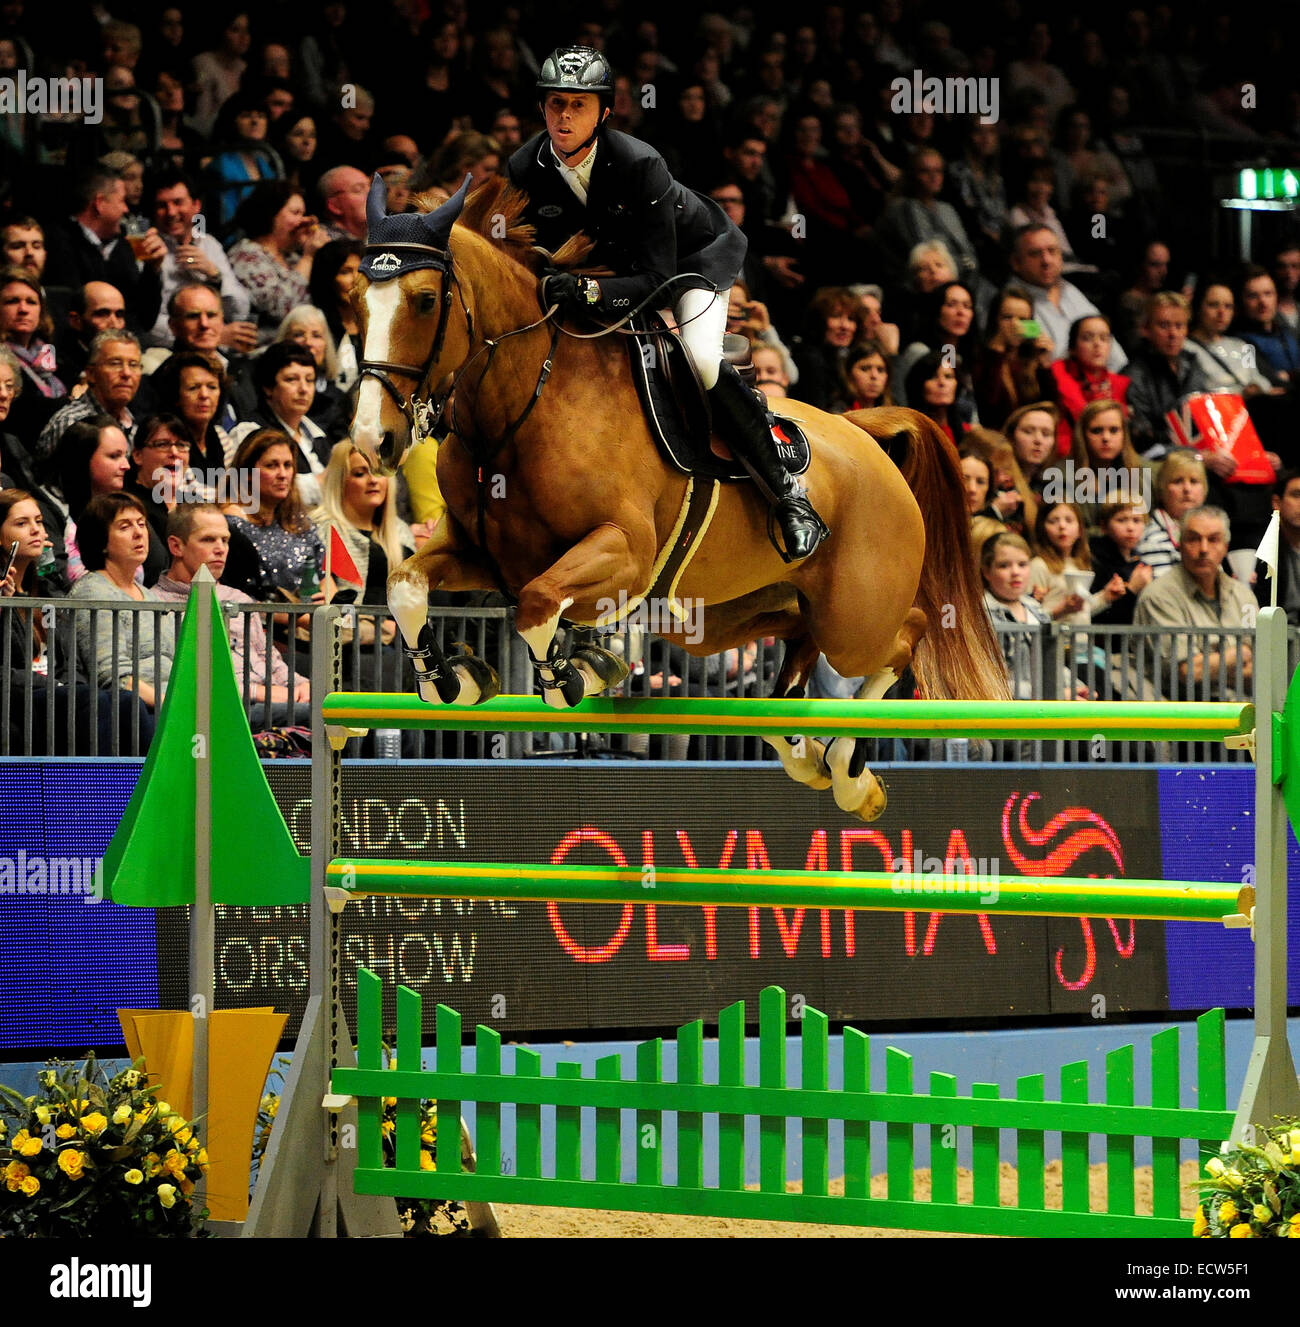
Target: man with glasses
343 193
113 375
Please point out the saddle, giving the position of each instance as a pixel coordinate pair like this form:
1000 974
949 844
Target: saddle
677 408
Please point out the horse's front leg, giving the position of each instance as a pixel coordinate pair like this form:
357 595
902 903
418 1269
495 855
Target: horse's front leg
444 563
592 575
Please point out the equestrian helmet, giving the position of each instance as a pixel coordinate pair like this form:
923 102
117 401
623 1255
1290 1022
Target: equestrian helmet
576 69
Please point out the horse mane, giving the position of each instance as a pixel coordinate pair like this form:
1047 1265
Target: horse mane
495 212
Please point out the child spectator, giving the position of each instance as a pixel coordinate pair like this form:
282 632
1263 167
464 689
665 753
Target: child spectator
1004 564
1082 376
1062 545
1011 500
1105 464
1118 571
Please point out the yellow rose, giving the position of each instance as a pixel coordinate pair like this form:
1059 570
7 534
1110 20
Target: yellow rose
134 1177
427 1138
122 1114
1200 1223
175 1124
42 1115
167 1195
1261 1213
1295 1156
1214 1166
1295 1137
184 1135
31 1186
1242 1231
72 1162
1294 1231
64 1132
202 1157
30 1147
426 1160
174 1164
95 1122
390 1103
187 1187
14 1167
1227 1213
1233 1176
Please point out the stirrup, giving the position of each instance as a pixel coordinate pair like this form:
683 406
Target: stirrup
798 499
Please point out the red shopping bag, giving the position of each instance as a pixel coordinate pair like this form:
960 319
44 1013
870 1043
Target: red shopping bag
1218 421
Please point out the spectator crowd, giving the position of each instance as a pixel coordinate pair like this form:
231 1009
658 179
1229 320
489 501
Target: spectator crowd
1040 282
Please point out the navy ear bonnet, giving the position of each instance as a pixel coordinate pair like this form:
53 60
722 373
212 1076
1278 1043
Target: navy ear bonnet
411 240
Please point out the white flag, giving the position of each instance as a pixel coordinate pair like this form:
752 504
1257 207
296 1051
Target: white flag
1267 553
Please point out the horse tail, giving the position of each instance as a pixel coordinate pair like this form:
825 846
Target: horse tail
958 658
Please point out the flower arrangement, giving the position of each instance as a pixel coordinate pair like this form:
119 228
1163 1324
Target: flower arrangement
88 1155
1253 1192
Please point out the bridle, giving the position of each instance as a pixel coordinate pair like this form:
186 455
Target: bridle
421 415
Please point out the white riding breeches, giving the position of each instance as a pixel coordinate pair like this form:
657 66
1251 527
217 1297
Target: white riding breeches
702 319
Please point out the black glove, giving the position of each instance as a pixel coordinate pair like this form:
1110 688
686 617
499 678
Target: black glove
562 288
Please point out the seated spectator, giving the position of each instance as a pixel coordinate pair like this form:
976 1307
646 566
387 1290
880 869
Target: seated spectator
1180 487
832 329
396 176
198 536
1062 547
98 307
198 325
274 263
864 380
1161 373
871 318
295 141
290 555
1078 159
946 325
1004 565
1150 276
918 214
1012 367
929 265
348 135
286 377
333 273
1286 280
1226 362
40 681
1036 260
90 246
1277 344
192 388
1031 430
931 387
93 460
343 191
136 655
179 147
1199 594
770 376
1082 376
22 244
129 166
1105 465
1011 500
472 154
22 313
306 326
1286 502
749 318
977 477
217 73
1033 207
244 157
16 461
980 194
1118 572
113 378
193 256
161 480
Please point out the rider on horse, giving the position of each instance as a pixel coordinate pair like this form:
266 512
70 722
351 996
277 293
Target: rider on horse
652 233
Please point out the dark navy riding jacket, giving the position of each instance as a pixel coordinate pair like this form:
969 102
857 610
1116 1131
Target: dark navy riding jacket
646 225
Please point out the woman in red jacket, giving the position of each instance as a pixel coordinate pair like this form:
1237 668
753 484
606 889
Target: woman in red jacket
1082 376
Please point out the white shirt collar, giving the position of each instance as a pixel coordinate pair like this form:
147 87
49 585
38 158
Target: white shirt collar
104 246
578 178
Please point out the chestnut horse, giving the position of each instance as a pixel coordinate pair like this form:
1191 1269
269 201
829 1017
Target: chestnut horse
556 492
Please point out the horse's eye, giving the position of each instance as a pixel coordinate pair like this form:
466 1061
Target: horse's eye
428 301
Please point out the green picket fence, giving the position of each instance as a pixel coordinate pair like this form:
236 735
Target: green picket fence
510 1169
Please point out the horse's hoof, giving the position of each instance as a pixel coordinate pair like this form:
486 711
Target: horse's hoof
857 791
601 669
477 676
804 761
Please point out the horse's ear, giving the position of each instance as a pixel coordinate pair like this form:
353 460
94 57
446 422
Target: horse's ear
440 221
376 203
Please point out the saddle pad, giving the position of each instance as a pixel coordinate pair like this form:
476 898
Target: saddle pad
659 367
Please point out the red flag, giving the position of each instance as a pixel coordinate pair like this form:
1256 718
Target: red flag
342 565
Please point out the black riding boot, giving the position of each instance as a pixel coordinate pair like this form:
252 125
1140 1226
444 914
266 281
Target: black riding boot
744 425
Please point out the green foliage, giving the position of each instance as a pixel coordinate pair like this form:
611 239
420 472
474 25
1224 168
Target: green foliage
1254 1192
88 1155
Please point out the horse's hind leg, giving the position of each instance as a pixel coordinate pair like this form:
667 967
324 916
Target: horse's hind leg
804 758
856 789
443 563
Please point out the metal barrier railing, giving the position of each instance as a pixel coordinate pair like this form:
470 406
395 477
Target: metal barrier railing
60 691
